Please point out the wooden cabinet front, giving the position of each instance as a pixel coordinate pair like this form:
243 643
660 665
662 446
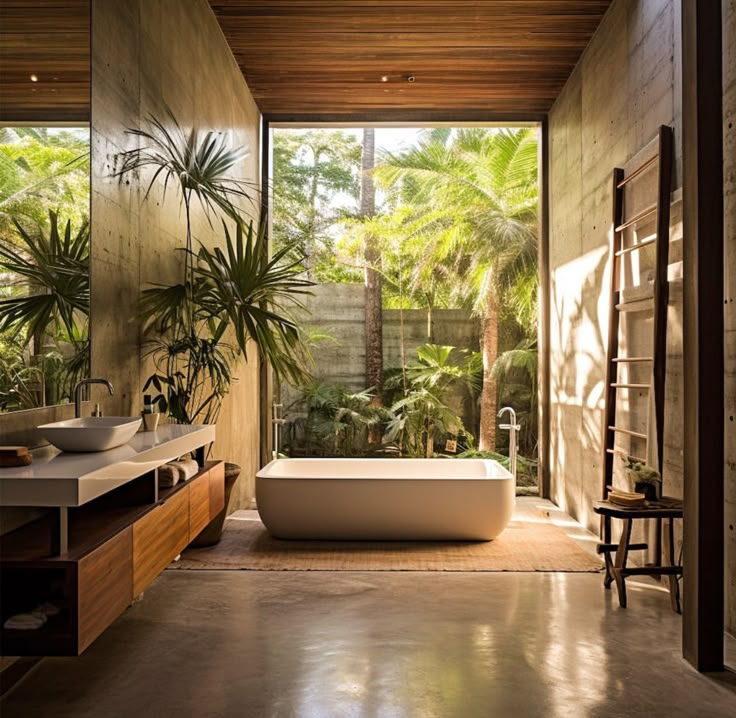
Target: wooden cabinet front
159 537
105 586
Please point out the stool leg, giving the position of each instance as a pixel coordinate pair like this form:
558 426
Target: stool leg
674 583
608 579
622 555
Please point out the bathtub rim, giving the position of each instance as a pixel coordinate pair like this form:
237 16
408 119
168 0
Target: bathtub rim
265 471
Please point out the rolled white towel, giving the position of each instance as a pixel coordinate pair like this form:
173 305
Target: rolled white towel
188 468
168 476
31 621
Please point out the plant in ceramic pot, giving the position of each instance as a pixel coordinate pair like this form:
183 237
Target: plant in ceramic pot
233 299
645 479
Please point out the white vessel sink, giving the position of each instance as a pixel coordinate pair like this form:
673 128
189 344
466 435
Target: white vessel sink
90 433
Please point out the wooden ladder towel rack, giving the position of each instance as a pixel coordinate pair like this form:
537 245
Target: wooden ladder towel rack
619 250
658 303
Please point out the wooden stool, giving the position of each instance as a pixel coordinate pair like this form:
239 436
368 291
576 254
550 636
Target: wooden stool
617 570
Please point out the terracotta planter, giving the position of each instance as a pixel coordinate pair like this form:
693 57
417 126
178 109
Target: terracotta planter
212 533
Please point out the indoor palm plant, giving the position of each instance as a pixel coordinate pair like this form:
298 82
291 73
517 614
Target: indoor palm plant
228 296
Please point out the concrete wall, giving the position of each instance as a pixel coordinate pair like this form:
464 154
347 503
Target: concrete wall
595 126
729 148
339 310
149 54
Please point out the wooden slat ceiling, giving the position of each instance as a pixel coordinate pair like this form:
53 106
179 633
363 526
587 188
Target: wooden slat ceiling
51 40
327 58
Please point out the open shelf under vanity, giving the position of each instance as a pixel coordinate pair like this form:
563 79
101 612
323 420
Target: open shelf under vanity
117 544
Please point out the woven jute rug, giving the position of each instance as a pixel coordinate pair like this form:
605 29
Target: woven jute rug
531 542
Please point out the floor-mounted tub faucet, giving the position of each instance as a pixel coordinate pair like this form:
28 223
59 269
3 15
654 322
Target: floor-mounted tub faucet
277 422
78 392
513 428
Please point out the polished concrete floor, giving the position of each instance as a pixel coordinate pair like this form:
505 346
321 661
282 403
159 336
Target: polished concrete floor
399 645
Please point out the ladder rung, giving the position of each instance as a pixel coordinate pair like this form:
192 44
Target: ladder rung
633 359
631 456
638 171
636 305
644 213
630 386
634 247
628 432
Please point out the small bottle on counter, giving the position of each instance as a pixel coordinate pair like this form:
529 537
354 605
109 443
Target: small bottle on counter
97 411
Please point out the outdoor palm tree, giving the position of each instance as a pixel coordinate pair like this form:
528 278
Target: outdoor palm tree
473 200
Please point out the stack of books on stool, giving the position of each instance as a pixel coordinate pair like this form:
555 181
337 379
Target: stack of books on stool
627 498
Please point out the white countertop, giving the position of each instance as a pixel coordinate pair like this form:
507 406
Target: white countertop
63 479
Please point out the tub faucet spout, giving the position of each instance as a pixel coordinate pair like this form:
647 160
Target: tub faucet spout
278 421
513 428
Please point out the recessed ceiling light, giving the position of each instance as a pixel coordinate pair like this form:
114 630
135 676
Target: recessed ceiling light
34 78
384 78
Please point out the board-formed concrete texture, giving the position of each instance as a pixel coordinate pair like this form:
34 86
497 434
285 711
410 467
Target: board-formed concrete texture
338 311
595 126
149 56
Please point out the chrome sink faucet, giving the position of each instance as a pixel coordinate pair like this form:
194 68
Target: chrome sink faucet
513 428
78 392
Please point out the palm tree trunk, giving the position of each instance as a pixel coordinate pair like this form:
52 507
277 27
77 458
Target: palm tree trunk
373 303
488 396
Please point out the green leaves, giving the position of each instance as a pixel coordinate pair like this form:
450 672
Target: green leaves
469 201
237 290
198 165
56 269
254 295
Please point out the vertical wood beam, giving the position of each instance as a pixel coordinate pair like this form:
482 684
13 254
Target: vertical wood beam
543 303
265 375
703 328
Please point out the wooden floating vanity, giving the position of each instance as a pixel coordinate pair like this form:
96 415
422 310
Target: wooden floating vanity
120 532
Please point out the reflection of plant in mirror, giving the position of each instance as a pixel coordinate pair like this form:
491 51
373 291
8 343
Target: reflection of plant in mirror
40 169
45 309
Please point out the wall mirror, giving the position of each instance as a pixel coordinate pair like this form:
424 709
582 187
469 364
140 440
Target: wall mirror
45 69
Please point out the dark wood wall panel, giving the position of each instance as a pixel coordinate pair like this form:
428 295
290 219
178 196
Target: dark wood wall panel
314 56
51 40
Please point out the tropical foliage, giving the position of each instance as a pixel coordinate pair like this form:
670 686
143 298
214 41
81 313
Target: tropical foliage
230 296
316 182
470 200
454 227
44 265
333 421
235 291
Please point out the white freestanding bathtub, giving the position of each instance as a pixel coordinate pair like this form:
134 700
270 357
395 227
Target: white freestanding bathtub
385 499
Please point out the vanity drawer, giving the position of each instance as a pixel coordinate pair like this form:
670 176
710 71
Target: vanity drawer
105 586
159 537
199 504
